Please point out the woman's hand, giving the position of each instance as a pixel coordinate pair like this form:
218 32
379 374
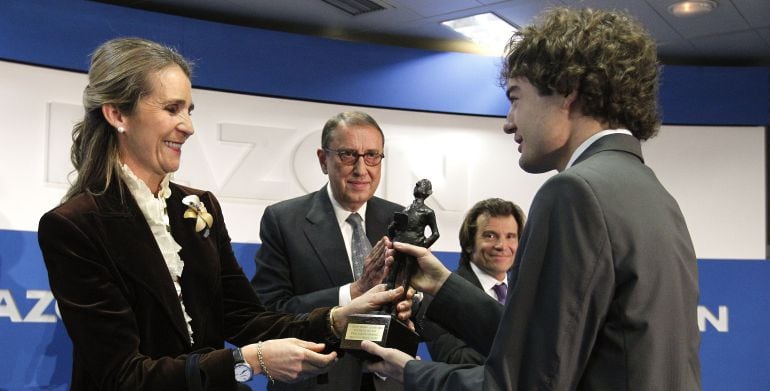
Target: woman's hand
289 360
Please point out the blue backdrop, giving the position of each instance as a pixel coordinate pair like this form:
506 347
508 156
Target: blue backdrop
734 311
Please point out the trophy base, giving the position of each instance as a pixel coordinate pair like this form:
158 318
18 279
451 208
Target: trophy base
384 330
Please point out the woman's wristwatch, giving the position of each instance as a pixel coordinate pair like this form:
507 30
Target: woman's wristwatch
243 371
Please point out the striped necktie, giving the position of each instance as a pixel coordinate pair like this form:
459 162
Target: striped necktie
359 245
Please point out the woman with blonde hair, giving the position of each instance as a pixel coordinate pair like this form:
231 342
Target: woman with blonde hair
145 277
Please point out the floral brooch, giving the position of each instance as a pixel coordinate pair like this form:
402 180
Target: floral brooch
196 210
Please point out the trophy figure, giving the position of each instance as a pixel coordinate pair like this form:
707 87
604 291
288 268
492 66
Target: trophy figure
384 328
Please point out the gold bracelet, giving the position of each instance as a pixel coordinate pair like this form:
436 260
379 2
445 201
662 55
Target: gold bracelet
331 321
262 363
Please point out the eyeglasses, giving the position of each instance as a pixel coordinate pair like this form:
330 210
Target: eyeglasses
350 157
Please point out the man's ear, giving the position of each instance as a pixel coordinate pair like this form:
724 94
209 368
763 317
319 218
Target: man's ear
322 160
113 115
569 100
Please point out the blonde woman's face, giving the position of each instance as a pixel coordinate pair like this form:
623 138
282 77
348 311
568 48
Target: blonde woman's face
155 133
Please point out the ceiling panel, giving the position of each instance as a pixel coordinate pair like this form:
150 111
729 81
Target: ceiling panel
679 50
756 12
313 12
765 34
382 20
724 19
523 13
642 11
745 43
492 1
430 8
736 33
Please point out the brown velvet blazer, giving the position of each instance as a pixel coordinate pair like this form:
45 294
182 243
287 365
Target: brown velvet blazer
119 305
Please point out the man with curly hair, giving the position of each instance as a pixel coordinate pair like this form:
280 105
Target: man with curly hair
604 288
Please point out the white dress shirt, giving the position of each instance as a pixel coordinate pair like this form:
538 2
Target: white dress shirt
347 235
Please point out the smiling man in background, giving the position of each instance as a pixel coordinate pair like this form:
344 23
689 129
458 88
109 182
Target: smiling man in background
489 237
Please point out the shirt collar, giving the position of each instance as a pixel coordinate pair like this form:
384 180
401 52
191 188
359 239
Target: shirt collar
138 188
580 149
342 213
487 281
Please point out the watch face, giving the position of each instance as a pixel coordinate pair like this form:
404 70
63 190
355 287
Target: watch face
243 372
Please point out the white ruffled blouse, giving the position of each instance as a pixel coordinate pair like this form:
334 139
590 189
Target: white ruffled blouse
154 210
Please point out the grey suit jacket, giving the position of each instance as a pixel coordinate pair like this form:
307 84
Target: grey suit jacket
604 290
302 262
443 345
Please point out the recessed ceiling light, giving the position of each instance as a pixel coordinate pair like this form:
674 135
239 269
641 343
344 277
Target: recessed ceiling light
487 30
685 9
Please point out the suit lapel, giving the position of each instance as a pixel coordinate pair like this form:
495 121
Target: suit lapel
377 220
465 271
125 226
200 256
323 233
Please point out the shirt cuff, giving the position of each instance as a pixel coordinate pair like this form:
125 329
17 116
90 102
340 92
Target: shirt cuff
344 295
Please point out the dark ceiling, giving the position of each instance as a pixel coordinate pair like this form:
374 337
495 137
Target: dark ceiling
736 33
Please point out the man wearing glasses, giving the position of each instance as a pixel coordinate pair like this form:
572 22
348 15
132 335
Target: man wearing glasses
314 247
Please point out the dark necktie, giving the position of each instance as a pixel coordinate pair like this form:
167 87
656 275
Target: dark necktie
501 290
359 245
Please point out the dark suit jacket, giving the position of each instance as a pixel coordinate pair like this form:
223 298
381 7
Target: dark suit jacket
443 345
119 305
302 262
604 290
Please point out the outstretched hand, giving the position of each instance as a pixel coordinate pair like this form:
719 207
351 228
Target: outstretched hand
374 269
290 360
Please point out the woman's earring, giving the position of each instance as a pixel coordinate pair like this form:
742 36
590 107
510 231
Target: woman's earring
121 129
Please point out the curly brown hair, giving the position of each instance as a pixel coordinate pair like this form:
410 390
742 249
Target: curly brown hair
606 56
